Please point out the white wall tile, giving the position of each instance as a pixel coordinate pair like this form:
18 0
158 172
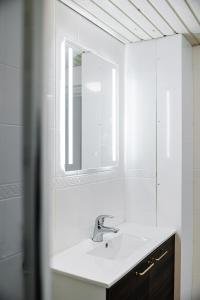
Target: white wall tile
11 278
11 32
76 209
10 95
10 226
11 154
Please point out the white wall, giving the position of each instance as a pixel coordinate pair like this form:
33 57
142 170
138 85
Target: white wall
11 278
196 203
77 200
140 133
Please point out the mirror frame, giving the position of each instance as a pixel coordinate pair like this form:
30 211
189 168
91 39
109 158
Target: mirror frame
62 117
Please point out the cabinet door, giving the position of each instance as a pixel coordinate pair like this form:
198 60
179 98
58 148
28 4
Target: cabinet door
152 279
134 286
162 275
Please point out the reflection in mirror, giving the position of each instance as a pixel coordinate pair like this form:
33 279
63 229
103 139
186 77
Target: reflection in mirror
88 110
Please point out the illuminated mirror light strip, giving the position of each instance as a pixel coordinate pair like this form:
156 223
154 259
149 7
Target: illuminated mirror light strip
62 105
168 123
70 106
114 116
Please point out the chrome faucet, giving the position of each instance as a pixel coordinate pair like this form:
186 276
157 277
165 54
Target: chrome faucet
100 229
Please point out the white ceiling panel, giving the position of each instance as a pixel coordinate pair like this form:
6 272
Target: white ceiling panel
195 8
186 14
152 15
136 20
137 17
172 18
125 21
102 15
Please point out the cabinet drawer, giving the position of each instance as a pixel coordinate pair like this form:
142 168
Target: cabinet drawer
150 279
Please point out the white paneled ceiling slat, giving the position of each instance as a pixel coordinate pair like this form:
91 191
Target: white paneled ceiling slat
184 14
107 19
183 9
135 15
136 20
170 16
194 6
152 15
118 14
93 19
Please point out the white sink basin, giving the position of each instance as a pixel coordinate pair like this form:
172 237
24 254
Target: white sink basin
119 247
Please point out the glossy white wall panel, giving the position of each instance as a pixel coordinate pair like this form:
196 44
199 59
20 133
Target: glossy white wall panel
140 200
174 201
140 133
169 153
141 106
187 170
169 140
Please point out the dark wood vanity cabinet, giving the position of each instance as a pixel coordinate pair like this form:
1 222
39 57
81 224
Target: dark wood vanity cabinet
152 279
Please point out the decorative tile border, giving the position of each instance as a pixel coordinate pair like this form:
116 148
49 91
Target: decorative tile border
63 182
10 190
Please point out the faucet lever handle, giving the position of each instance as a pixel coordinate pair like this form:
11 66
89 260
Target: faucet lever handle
101 218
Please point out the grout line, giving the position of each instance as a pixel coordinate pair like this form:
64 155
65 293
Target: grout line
10 256
11 198
145 16
10 125
105 11
11 66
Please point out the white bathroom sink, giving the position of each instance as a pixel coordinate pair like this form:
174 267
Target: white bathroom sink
119 247
104 263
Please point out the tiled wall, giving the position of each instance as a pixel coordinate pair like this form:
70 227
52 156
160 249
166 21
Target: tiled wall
78 200
196 204
10 151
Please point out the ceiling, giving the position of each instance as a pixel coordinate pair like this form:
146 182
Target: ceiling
135 20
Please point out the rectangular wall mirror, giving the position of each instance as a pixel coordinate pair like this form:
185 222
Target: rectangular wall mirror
88 110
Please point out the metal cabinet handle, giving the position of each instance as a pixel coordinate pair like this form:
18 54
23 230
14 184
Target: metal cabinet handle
160 257
145 271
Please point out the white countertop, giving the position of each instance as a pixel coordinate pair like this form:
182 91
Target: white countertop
77 263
